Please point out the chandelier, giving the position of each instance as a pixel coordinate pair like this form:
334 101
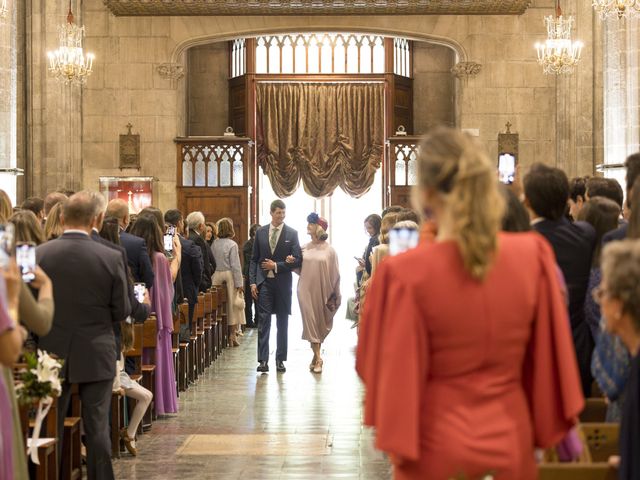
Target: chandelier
3 8
619 8
68 63
558 54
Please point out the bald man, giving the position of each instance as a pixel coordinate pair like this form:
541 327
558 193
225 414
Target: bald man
136 247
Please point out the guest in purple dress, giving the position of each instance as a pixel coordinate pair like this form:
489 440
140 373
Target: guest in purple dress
11 340
165 271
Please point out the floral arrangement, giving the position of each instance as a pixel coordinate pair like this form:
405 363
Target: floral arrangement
39 384
41 379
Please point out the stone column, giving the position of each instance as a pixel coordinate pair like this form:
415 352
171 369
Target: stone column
621 89
54 110
577 102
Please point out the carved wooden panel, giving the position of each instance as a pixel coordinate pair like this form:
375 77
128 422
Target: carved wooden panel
317 7
238 105
403 104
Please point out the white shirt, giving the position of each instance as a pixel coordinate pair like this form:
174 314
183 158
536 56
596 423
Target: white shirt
71 230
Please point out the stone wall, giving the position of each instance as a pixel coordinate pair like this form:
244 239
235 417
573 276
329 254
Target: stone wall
208 89
8 99
433 86
127 87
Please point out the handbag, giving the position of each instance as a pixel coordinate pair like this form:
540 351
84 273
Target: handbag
238 300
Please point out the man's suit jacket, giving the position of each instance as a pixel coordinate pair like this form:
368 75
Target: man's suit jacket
191 267
288 244
208 265
90 294
138 258
619 233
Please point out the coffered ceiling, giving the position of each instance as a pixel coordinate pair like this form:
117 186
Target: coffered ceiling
317 7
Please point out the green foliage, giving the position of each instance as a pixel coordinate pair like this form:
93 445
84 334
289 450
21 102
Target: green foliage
40 379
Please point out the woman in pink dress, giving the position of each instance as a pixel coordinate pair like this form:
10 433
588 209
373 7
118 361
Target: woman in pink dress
318 288
464 346
165 271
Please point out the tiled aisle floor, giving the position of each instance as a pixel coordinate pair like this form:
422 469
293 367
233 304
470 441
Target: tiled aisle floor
238 424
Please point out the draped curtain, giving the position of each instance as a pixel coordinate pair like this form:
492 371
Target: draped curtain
323 134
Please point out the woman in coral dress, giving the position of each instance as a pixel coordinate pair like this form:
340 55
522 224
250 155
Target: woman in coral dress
464 346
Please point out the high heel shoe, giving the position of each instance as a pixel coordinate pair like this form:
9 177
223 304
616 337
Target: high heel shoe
318 366
312 365
128 442
235 342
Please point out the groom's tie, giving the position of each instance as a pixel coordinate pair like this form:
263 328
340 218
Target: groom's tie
273 240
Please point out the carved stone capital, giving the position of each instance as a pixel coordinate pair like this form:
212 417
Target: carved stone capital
170 71
465 70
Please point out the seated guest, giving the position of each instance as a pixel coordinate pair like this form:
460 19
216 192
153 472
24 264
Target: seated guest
53 227
467 388
546 191
137 255
632 164
35 205
12 457
90 295
161 294
577 195
196 227
619 297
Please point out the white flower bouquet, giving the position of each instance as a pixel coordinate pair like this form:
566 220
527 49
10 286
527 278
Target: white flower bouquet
38 385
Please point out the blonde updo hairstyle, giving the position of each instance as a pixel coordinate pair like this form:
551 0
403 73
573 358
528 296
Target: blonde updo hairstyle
321 234
457 167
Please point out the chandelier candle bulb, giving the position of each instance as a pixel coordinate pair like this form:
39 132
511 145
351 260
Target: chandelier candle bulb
558 54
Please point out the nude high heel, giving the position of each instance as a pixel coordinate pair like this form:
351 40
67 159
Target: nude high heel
318 366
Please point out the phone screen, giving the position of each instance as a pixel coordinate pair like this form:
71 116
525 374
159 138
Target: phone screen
6 243
26 260
171 230
402 239
506 168
168 242
139 289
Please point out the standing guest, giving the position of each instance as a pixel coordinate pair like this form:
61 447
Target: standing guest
318 287
196 226
53 227
90 295
546 191
6 208
210 234
146 227
606 188
35 205
619 298
51 200
372 226
191 268
229 271
247 250
137 255
577 195
632 164
12 459
382 249
440 373
271 282
27 227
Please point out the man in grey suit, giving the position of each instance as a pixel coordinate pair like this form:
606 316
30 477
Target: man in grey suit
90 293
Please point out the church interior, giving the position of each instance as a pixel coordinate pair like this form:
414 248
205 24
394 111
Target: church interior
225 107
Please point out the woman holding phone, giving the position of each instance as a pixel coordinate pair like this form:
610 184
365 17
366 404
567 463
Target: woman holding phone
318 288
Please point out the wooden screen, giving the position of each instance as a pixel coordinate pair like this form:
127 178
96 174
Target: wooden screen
214 177
402 155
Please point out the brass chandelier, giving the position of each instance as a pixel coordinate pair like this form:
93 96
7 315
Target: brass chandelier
617 8
558 54
68 63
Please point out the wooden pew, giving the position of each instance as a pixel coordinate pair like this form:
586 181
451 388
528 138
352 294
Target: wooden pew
175 348
222 314
137 375
577 471
183 371
602 440
149 343
199 321
595 411
208 329
116 423
71 450
215 326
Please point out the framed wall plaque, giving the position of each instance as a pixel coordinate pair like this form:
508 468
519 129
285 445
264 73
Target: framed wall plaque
129 149
136 191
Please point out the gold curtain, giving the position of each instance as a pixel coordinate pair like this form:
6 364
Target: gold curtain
323 134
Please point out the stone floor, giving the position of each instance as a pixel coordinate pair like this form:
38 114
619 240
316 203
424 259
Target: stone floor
236 423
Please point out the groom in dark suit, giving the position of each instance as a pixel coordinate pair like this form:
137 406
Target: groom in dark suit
270 280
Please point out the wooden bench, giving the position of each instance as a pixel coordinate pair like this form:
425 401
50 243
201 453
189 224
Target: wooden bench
199 322
215 326
577 471
71 449
208 328
47 455
117 399
222 315
602 440
183 370
149 344
595 411
175 348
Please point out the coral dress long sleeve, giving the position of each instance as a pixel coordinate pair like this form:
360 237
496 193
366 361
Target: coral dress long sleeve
465 377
